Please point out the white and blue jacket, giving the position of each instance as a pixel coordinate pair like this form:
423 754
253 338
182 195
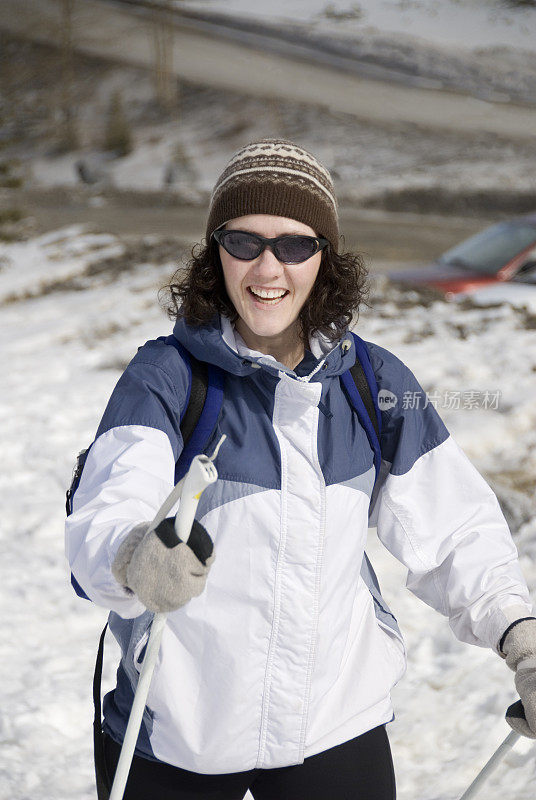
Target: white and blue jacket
290 649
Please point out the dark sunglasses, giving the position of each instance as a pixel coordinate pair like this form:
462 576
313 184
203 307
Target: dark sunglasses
289 249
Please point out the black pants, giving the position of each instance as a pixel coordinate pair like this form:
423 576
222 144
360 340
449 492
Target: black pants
361 769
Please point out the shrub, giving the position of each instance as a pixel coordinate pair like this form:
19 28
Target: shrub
117 137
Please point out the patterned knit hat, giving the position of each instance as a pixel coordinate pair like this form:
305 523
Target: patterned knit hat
275 176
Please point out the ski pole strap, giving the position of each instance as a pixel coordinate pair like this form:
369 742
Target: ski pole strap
101 773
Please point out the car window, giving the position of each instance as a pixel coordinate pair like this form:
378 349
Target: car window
492 248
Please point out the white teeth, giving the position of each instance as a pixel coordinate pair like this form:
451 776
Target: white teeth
268 294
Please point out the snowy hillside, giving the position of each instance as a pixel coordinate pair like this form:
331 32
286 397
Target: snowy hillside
75 306
470 24
481 49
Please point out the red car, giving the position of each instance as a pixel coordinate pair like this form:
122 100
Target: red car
503 252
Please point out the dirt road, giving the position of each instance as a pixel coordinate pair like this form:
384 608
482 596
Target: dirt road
387 239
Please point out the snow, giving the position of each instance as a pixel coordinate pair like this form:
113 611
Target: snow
518 294
66 329
68 325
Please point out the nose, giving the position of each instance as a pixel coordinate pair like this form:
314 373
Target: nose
267 264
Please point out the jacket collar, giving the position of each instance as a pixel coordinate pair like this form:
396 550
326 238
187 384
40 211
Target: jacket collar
218 343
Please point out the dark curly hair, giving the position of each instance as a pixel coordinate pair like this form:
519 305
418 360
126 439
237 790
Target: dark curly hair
197 292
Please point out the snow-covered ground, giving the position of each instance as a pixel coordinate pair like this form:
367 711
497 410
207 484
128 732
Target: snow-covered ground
67 327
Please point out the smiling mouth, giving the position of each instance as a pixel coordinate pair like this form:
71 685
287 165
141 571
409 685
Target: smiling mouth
269 297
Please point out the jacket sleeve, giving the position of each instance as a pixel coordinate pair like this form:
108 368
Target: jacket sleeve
129 471
436 514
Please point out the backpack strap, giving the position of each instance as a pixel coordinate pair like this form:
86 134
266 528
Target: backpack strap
368 387
203 407
75 480
101 773
361 388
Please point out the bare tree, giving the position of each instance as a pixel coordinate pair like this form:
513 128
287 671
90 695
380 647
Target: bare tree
68 136
165 82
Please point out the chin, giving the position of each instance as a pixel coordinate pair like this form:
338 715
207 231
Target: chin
270 327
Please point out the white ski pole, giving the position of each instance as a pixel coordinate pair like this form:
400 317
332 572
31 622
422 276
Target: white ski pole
201 474
486 771
515 710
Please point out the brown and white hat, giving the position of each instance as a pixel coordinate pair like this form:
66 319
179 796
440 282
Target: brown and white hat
275 176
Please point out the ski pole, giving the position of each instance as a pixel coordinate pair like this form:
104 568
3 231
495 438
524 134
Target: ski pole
516 709
201 474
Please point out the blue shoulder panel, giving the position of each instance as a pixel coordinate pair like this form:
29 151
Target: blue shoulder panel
152 392
186 358
411 426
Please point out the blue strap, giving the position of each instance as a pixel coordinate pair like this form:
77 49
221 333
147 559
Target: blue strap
357 401
362 354
367 570
209 415
207 422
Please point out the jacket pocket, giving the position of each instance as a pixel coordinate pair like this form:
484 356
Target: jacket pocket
384 616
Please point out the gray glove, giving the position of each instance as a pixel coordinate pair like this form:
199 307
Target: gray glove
518 646
160 568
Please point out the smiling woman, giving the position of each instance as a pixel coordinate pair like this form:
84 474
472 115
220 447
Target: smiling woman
280 653
272 189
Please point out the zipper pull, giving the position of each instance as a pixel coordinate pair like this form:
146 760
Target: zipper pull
324 409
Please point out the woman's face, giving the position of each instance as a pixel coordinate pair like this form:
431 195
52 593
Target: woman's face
261 319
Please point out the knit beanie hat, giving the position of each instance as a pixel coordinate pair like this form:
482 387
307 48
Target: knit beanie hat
275 176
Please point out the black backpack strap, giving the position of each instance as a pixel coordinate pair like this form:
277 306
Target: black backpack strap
101 773
75 480
198 395
360 380
360 385
203 408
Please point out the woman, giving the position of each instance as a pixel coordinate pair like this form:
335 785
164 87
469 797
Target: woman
276 667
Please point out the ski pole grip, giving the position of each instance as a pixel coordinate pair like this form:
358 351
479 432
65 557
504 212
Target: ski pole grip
516 710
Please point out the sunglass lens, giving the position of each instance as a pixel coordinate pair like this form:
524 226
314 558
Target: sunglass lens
241 245
295 249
